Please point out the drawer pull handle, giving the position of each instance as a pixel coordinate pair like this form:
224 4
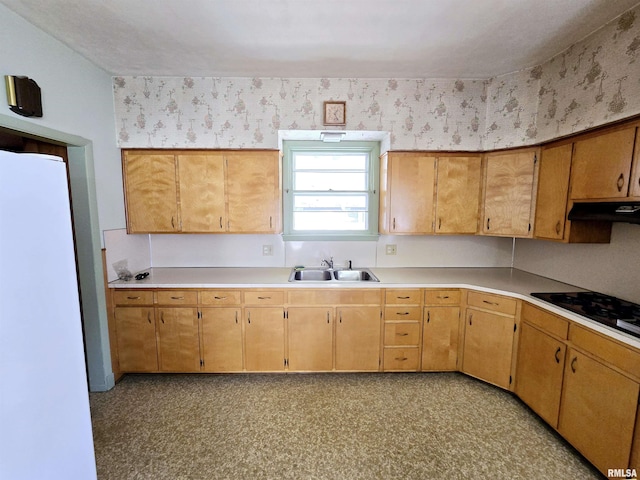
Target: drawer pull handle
264 298
403 298
573 364
402 359
219 298
133 298
402 334
402 313
443 296
177 298
490 303
558 353
620 182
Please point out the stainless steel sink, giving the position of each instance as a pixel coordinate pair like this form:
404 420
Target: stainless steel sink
330 275
310 275
356 275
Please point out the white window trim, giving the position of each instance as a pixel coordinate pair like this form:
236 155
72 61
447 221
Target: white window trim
291 147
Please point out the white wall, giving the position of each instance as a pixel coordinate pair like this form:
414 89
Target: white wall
612 268
77 110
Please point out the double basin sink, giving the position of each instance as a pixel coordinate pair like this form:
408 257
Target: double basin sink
328 275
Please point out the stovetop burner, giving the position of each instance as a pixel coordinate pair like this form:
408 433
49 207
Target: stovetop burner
605 309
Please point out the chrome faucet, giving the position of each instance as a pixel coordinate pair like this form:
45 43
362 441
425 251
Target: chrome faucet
328 263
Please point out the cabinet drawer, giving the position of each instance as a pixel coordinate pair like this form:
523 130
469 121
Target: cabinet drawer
402 313
176 297
410 297
133 297
401 333
616 354
220 297
442 297
264 297
546 321
495 303
401 358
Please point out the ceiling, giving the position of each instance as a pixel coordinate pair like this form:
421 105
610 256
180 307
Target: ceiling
319 38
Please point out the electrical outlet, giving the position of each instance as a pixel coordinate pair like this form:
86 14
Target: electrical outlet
391 249
267 250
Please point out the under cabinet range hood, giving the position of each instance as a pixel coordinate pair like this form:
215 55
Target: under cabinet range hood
628 212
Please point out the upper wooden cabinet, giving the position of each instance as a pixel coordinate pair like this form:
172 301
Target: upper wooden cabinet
423 193
407 186
150 192
553 190
202 191
508 193
253 192
457 194
601 165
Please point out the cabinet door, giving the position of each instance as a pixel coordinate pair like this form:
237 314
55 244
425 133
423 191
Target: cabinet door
598 411
221 340
634 187
488 344
508 190
310 334
136 339
150 193
264 339
411 180
553 190
440 338
202 193
540 369
458 195
358 338
253 190
178 340
602 165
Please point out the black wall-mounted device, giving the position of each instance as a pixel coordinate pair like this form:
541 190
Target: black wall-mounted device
23 96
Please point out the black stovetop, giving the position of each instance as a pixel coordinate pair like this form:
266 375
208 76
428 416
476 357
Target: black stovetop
605 309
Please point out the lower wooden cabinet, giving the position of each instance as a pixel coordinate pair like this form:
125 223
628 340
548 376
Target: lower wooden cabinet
440 339
358 338
310 339
598 411
221 339
264 339
136 339
540 370
178 339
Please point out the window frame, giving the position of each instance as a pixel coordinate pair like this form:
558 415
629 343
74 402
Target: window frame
290 148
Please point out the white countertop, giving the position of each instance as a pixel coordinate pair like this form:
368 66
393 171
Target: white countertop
503 281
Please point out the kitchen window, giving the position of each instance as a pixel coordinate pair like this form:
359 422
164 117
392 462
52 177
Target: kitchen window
330 190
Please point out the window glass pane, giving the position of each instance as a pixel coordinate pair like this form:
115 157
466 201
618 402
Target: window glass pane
316 221
310 161
329 181
336 203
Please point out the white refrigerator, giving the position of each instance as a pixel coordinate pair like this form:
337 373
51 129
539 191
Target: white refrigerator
45 423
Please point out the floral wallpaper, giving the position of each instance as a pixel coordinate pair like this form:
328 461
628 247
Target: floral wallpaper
594 82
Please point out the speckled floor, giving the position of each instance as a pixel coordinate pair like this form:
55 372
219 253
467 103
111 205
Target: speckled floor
323 426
